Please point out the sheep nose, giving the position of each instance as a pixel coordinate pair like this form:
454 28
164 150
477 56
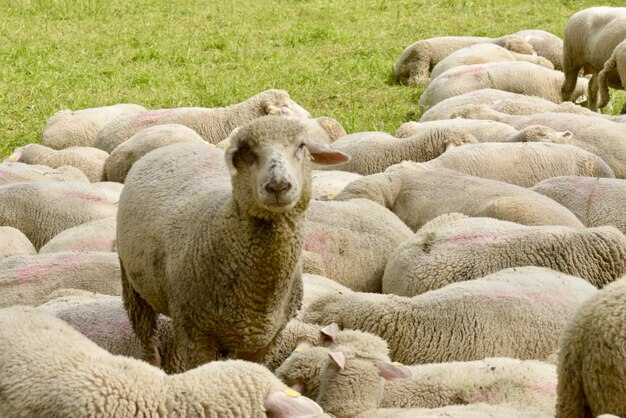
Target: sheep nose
278 187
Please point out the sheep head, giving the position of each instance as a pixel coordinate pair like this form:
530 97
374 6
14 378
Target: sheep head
279 103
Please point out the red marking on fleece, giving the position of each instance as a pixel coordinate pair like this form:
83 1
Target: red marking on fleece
319 244
28 273
83 196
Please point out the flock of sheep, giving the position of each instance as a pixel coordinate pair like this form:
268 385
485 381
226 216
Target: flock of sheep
471 245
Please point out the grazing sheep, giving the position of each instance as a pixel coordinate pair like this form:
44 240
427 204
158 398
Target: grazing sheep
431 259
29 279
67 128
14 242
483 54
590 37
516 77
373 152
144 141
591 369
527 308
418 195
14 172
183 217
87 159
212 124
96 235
328 184
545 45
354 240
523 164
487 131
598 136
57 372
419 58
613 72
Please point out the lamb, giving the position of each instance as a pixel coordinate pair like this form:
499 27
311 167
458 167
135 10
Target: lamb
67 128
527 309
212 125
41 210
591 375
590 37
418 195
419 58
545 45
614 71
482 54
29 279
124 155
354 240
595 201
14 242
423 263
182 217
373 152
15 172
487 131
328 184
516 77
57 372
523 164
96 235
598 136
87 159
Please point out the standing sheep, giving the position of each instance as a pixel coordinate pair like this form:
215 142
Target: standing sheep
50 369
592 360
419 58
96 235
182 218
467 248
613 73
212 124
14 172
14 242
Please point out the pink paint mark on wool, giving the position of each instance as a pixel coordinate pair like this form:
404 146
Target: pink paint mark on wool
153 115
319 243
28 273
97 329
82 196
485 236
92 245
6 174
474 71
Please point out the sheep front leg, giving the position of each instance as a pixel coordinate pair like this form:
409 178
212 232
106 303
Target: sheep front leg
592 99
193 346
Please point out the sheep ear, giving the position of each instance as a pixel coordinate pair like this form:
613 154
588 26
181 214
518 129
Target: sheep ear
325 155
567 135
17 154
238 153
290 404
339 358
330 331
298 387
395 371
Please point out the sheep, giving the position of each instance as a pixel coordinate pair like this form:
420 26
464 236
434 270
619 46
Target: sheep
527 308
373 152
57 372
41 210
212 124
29 279
613 72
424 262
591 375
482 54
598 136
15 172
96 235
523 164
545 45
328 184
124 155
487 131
236 220
590 37
354 240
516 77
87 159
418 195
314 286
14 242
420 57
478 410
595 201
68 128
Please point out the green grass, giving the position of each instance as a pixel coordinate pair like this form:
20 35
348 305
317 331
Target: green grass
334 57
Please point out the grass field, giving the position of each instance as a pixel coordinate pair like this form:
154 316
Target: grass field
334 57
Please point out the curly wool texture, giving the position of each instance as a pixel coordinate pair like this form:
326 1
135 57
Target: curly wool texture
528 307
78 128
523 164
373 152
456 411
15 172
469 248
29 279
354 240
96 235
591 369
516 77
212 124
418 195
51 370
14 242
41 210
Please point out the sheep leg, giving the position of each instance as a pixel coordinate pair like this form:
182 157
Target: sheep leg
567 89
592 100
143 319
193 346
